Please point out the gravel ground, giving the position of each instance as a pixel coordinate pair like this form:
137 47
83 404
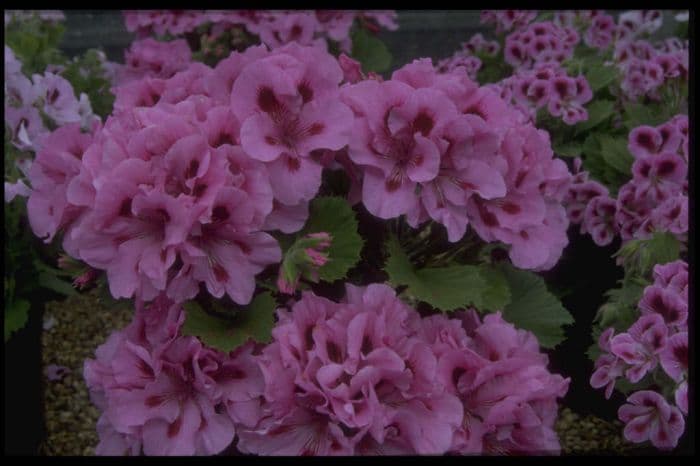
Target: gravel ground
81 324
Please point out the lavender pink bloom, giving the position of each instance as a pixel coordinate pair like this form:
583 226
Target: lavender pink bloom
368 376
649 417
165 394
437 146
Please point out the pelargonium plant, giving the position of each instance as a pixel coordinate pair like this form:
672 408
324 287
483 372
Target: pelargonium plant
328 259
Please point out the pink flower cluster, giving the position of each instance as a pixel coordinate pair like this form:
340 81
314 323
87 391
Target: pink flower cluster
539 43
549 86
508 20
658 338
149 57
27 104
161 393
27 100
655 199
646 68
467 56
274 27
436 146
178 186
369 376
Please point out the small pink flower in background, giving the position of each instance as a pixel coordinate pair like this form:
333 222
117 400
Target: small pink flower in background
580 196
15 189
599 220
600 34
608 367
507 20
54 167
640 346
649 417
55 372
148 57
666 303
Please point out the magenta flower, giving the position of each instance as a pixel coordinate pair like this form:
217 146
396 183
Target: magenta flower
681 397
640 346
673 275
608 367
53 169
166 394
171 200
509 397
659 177
649 417
667 303
288 108
674 357
599 220
350 377
157 59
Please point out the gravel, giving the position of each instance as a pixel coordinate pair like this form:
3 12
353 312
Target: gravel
81 323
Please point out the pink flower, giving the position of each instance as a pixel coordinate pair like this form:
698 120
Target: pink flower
350 377
54 372
674 357
681 397
56 164
608 367
59 101
666 303
352 70
508 395
166 394
15 189
171 199
288 108
579 197
640 345
284 28
599 220
657 178
674 275
148 57
649 417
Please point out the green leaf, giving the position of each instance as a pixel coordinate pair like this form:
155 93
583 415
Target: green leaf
16 316
641 255
599 160
616 154
563 149
335 216
652 114
371 52
598 112
496 294
445 288
254 323
52 282
532 307
599 75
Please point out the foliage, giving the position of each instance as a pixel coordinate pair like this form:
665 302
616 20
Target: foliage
254 322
